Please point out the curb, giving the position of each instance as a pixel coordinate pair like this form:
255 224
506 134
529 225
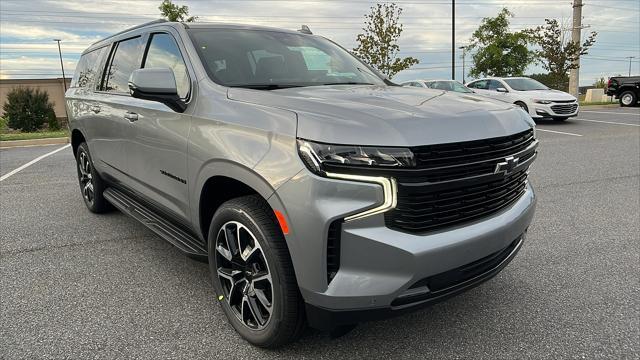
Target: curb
33 142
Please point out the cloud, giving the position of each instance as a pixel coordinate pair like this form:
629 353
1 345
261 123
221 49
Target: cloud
27 27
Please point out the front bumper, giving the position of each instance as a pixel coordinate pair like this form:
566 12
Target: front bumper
554 110
379 265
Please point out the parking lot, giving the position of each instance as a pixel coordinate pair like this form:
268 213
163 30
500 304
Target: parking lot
78 285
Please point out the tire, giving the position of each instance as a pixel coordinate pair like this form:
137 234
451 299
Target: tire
628 98
243 288
523 106
560 118
91 184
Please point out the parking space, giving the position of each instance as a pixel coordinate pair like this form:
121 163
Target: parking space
78 285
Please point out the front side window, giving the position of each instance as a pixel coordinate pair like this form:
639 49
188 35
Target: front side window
494 85
127 57
271 59
87 69
163 52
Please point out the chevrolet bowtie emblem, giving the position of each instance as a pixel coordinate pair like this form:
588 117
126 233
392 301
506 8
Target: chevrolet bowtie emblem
507 166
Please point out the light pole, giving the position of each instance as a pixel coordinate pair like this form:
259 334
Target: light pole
630 58
64 79
453 39
464 53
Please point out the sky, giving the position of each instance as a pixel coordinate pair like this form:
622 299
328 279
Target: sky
28 27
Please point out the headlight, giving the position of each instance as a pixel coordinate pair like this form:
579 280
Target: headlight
538 101
317 155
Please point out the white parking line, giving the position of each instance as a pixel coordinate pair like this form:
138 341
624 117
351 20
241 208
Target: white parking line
557 132
6 176
608 122
608 112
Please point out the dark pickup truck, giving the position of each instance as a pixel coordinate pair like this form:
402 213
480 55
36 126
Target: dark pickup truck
624 88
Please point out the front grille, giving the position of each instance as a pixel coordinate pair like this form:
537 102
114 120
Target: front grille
457 183
565 108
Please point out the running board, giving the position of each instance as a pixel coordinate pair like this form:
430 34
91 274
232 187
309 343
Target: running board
179 238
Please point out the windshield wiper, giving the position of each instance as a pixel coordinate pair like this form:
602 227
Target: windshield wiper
349 83
267 86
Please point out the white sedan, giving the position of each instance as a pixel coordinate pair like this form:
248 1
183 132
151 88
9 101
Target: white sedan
532 96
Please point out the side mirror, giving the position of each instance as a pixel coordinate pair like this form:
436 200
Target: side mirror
156 84
502 90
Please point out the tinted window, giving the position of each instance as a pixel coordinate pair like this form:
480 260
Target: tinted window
126 59
494 84
87 68
267 59
164 53
480 84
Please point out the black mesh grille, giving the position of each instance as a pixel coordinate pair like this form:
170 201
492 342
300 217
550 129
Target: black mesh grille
457 183
333 249
564 108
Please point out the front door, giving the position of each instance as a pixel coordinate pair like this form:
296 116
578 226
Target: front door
158 136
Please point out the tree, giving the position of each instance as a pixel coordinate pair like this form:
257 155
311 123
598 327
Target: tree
600 83
378 44
556 52
27 109
173 12
499 52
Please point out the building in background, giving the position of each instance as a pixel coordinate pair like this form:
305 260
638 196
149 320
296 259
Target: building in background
54 87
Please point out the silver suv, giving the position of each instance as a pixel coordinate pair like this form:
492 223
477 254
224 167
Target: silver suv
319 192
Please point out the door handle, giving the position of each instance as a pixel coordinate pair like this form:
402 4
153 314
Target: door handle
131 116
95 109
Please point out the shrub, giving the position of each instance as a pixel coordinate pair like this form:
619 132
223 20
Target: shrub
28 109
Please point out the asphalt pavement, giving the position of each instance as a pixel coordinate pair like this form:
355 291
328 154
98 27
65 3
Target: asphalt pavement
78 285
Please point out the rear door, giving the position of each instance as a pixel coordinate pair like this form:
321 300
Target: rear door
158 136
112 102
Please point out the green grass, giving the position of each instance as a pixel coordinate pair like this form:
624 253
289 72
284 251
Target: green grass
33 135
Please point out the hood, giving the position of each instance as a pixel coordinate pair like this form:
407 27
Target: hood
548 95
389 115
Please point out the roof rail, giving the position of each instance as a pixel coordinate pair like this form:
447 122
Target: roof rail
158 21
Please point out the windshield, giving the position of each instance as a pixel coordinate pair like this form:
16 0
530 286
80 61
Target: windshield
525 84
449 86
271 60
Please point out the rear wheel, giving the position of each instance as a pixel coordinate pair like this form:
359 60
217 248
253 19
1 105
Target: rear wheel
252 273
91 184
628 98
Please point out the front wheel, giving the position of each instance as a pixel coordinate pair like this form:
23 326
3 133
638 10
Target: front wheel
523 106
628 98
252 273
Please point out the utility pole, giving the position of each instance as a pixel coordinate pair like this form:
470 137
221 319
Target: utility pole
630 58
464 53
64 79
574 74
453 39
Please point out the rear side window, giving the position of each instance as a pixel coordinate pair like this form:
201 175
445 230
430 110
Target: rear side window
87 69
164 53
125 60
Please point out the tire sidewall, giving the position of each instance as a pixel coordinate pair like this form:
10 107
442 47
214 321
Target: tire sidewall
233 212
631 95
